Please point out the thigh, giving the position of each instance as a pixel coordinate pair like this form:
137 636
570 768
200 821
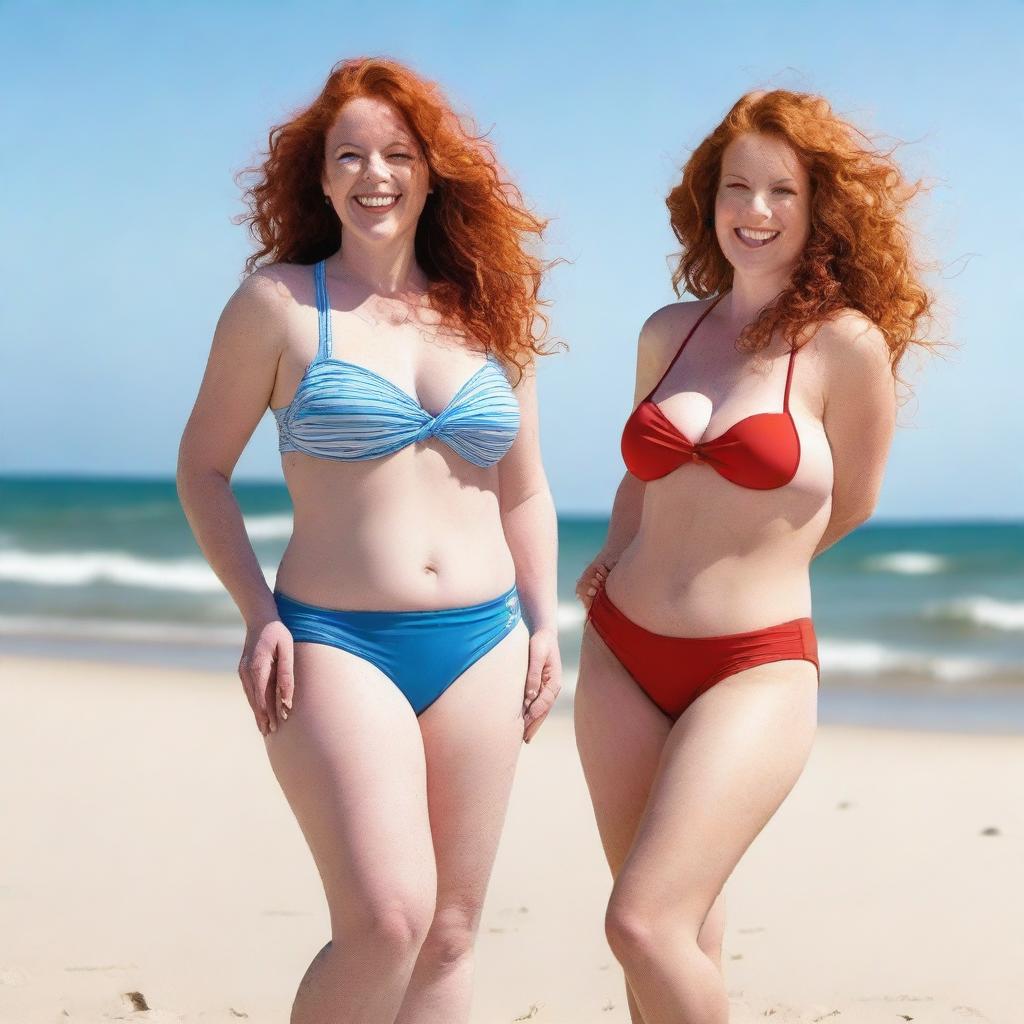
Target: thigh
729 762
350 761
620 734
472 735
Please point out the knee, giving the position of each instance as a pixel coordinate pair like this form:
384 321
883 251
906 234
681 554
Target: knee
630 928
396 923
640 932
452 932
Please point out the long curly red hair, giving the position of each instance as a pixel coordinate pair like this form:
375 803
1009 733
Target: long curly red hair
471 239
858 254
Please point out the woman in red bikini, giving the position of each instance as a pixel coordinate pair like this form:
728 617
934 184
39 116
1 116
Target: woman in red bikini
763 420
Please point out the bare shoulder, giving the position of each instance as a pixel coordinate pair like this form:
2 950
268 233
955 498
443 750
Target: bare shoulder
850 344
274 287
660 337
522 379
261 306
663 331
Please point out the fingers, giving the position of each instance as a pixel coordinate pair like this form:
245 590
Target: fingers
534 680
539 709
548 686
259 673
256 672
589 583
267 671
251 670
268 687
285 678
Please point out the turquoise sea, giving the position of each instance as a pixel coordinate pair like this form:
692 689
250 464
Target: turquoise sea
910 616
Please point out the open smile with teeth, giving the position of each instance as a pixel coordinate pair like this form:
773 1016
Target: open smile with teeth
754 238
378 202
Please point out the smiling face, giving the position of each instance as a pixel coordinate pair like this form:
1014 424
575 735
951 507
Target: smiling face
763 205
375 173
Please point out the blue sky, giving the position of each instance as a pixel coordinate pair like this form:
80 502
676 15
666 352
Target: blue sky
124 124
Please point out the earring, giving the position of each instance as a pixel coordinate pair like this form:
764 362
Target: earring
327 200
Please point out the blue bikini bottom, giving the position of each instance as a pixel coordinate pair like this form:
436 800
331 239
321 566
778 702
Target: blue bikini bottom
421 652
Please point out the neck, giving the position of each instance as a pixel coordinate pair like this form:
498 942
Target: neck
384 269
749 295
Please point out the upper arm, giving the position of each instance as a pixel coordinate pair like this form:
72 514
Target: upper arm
859 408
239 378
521 470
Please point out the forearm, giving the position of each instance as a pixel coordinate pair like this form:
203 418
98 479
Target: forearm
627 510
213 514
531 530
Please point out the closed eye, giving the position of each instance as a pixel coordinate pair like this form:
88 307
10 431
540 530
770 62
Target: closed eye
737 184
391 156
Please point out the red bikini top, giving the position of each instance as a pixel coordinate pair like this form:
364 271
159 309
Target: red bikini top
761 451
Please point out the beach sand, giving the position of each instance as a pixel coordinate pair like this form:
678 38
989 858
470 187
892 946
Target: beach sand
147 849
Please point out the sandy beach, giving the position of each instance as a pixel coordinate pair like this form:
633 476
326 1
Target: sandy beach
150 860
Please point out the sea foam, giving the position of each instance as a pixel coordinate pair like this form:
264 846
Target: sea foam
912 563
83 568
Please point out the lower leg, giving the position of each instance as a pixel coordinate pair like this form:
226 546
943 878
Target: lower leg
635 1016
441 987
709 939
672 979
360 976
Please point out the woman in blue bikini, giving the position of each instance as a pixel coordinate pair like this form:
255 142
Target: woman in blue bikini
390 322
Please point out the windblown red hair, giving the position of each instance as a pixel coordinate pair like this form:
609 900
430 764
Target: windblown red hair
471 239
858 254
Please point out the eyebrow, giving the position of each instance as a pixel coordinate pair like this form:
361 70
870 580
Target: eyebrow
778 181
355 145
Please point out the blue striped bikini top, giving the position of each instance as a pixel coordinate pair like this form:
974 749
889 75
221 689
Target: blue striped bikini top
349 412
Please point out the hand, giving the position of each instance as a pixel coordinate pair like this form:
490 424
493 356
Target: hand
592 577
543 680
266 671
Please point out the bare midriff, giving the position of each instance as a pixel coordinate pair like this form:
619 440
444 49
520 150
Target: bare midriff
419 529
711 557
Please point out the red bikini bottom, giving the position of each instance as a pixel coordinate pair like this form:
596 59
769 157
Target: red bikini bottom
675 670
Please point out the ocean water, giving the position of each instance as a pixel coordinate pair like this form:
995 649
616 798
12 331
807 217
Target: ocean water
110 568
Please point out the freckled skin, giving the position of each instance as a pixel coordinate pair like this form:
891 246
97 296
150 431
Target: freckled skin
751 195
692 554
711 557
404 853
359 538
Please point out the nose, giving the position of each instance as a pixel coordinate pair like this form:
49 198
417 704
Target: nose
760 205
376 168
